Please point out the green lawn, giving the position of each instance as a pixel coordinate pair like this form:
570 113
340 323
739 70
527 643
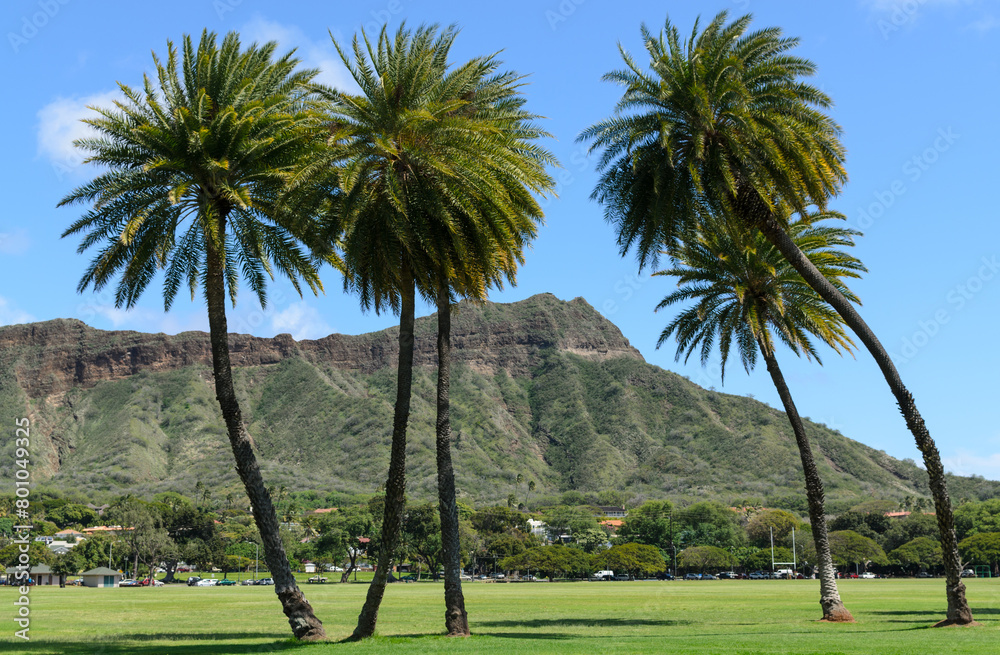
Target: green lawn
732 617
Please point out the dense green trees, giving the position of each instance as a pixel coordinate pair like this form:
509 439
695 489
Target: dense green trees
920 553
639 560
850 548
773 522
72 514
709 524
982 548
705 558
551 562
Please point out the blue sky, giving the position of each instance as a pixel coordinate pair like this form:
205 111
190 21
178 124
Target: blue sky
915 87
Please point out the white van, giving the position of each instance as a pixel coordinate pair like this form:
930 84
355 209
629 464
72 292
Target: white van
604 575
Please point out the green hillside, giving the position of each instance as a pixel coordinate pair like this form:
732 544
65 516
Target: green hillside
568 421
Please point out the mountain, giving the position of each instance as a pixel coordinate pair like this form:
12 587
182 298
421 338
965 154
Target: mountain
542 387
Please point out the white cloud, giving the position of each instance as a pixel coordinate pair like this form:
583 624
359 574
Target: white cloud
11 315
15 242
985 24
969 463
301 320
314 54
907 5
60 123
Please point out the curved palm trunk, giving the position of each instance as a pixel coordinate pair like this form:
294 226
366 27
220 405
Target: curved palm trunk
395 486
829 596
300 615
456 619
753 211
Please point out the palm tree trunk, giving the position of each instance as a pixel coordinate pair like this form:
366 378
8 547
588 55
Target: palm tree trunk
829 596
395 486
456 619
300 615
752 210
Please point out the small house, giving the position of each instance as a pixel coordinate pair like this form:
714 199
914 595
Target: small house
41 574
102 576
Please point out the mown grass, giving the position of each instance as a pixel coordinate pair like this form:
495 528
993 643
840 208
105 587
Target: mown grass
733 617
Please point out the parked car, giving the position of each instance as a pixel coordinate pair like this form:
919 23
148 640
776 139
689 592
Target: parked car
316 579
226 583
868 575
266 581
206 582
465 577
665 575
692 576
151 582
924 574
708 576
128 583
498 576
968 573
248 582
728 575
760 575
193 580
621 577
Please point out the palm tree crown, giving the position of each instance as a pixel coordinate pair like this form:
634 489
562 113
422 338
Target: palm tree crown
746 293
196 163
714 118
436 166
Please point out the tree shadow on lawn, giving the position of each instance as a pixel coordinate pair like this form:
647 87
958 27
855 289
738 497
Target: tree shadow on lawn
190 644
928 618
602 622
932 613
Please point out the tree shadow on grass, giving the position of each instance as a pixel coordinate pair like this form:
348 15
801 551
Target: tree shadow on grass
975 611
584 622
189 644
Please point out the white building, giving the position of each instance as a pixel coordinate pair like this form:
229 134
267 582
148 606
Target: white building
102 576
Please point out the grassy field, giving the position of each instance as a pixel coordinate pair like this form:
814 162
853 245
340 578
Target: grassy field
732 617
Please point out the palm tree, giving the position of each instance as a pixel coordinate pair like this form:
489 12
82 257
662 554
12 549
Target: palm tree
746 294
723 121
488 213
371 181
435 168
196 163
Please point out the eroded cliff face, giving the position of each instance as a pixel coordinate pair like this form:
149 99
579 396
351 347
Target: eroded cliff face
49 358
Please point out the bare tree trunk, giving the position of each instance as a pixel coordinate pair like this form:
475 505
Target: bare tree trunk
395 486
456 619
829 596
305 625
755 214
